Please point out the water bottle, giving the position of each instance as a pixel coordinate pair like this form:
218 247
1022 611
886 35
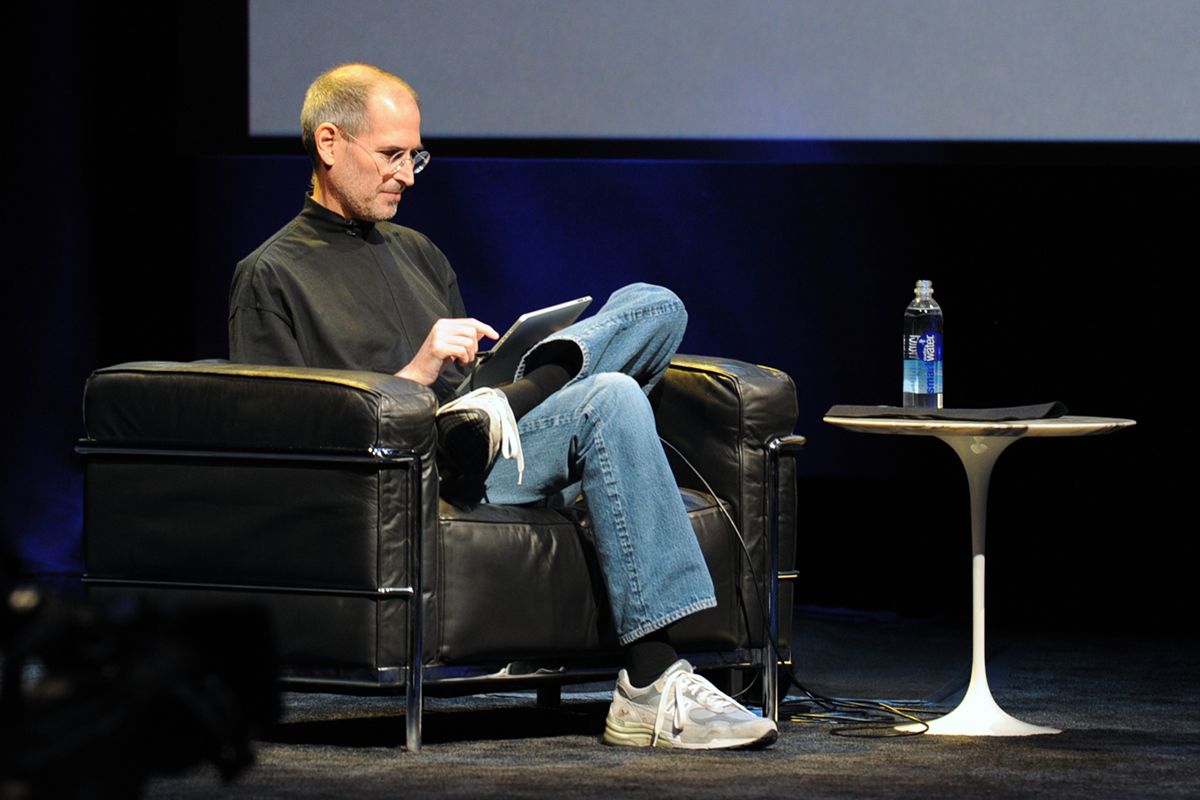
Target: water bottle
923 349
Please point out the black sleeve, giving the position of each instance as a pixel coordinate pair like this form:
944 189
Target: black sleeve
257 336
260 330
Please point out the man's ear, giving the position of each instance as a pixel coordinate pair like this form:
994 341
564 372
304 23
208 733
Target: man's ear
325 137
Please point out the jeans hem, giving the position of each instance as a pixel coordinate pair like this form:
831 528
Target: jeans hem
584 370
650 627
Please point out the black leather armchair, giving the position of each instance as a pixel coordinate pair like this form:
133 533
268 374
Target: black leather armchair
314 493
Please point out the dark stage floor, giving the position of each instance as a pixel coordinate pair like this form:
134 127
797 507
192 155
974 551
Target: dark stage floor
1128 709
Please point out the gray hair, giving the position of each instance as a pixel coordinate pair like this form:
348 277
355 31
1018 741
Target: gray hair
340 96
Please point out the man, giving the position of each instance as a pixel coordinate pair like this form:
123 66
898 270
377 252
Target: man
340 287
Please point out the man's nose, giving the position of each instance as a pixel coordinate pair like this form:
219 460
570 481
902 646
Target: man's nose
405 174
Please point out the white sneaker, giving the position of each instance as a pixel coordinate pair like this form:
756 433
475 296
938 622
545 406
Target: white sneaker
473 430
682 710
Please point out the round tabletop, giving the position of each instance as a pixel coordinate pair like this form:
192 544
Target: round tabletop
1063 426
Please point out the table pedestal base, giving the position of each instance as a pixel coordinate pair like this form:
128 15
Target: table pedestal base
978 714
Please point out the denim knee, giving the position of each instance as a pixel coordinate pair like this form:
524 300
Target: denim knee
615 395
648 300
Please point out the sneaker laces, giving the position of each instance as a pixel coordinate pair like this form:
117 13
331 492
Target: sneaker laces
679 685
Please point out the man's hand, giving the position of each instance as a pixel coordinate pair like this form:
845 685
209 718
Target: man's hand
449 340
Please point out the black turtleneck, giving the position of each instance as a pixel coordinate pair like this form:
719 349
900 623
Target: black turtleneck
333 293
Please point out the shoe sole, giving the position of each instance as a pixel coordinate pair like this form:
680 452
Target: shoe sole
641 735
466 446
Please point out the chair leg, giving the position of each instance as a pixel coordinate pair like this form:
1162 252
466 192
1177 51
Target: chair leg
415 686
770 685
549 696
785 446
413 706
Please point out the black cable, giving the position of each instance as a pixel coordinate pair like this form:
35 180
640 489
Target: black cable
852 716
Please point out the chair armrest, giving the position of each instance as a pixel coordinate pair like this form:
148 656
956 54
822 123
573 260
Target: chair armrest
214 405
241 475
721 415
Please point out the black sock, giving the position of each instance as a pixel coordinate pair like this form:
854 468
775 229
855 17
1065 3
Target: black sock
564 352
547 369
649 657
524 395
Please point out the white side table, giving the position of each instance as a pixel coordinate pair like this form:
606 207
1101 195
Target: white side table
979 444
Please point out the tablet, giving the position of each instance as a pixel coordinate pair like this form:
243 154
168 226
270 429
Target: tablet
499 364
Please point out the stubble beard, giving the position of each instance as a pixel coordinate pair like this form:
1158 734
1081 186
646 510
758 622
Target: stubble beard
367 203
372 208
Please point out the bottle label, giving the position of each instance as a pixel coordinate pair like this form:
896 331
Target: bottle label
923 364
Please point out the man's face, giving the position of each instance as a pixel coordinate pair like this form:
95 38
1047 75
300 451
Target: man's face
360 185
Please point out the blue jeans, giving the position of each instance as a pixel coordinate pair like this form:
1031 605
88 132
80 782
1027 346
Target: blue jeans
597 435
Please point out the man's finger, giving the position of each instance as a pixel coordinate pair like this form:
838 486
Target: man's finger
483 329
